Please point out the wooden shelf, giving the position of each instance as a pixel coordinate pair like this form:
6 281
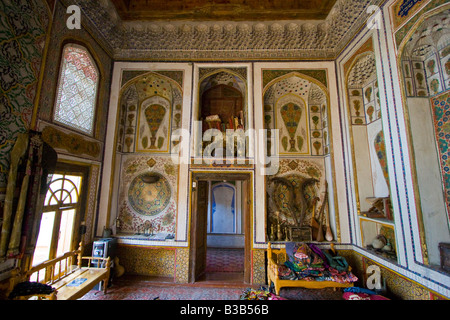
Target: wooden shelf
378 220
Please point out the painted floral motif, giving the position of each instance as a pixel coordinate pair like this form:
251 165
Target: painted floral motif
441 114
431 65
291 114
435 85
370 111
380 149
149 198
23 26
154 115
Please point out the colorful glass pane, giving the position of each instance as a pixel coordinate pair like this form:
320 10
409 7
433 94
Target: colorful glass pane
77 91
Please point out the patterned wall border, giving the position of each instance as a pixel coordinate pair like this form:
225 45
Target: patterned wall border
94 179
67 142
397 284
402 10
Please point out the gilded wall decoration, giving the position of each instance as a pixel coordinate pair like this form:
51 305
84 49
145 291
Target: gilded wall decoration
91 203
363 91
441 113
150 109
380 149
23 29
149 198
425 58
402 10
147 261
71 143
397 286
319 75
148 192
182 265
258 267
298 107
366 47
175 75
296 172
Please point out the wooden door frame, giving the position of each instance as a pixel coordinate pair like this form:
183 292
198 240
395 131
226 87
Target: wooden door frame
247 218
67 168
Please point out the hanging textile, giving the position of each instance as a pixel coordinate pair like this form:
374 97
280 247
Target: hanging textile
33 213
17 153
24 190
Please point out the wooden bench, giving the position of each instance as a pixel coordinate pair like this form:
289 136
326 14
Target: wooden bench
69 275
277 257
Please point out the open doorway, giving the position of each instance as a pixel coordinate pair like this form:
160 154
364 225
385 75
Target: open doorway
220 228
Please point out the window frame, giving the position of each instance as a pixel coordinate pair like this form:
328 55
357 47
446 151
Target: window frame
93 60
67 169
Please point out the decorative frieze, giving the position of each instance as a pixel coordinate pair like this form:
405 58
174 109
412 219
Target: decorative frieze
229 40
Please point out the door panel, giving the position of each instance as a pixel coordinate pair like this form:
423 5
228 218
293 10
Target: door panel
200 228
247 230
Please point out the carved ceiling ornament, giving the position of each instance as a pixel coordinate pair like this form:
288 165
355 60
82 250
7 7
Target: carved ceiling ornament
230 40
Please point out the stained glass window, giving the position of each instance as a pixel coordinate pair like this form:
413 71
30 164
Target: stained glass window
77 89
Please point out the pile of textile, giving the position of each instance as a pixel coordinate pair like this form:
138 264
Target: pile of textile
310 263
28 288
261 294
356 293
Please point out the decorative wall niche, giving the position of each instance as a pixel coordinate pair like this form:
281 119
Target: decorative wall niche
222 106
425 60
147 200
150 109
296 102
298 107
369 152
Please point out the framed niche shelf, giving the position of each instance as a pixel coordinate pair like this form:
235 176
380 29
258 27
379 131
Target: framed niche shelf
378 237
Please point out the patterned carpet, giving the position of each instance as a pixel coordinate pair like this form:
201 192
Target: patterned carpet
146 291
140 288
224 260
223 264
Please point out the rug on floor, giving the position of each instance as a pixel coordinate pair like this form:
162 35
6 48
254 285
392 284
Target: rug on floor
135 290
224 260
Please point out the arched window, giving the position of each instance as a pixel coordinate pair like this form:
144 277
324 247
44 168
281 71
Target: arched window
77 89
